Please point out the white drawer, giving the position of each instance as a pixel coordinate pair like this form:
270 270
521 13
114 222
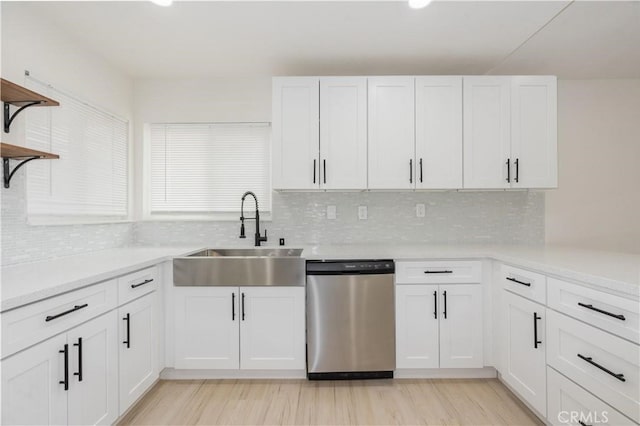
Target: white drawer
525 283
611 313
438 272
137 284
569 404
30 324
592 358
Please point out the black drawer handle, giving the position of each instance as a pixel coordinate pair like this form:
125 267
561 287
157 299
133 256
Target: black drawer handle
61 314
581 423
438 272
65 382
606 370
127 341
618 316
519 282
79 346
142 283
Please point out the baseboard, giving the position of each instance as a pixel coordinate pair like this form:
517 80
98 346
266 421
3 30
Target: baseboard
174 374
446 373
128 410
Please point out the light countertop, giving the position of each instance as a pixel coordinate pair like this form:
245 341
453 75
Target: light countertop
29 282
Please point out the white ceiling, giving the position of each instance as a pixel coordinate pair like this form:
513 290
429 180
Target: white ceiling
585 40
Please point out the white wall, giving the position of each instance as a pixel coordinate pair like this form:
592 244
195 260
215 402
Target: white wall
597 204
31 42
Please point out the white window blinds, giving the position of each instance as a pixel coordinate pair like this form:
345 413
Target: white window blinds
90 178
205 168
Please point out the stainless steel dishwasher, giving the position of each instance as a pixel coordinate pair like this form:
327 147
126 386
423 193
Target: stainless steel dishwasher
350 319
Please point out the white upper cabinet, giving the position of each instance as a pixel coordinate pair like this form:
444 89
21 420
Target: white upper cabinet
343 133
296 134
487 132
534 139
439 132
391 133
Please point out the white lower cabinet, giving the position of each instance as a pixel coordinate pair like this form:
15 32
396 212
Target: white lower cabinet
252 328
138 356
67 379
524 365
439 326
569 404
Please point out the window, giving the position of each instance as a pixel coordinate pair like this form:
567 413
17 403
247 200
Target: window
89 181
203 169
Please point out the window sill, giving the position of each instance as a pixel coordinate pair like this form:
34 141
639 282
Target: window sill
200 217
75 220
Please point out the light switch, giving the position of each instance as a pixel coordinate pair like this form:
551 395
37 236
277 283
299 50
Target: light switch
420 210
362 212
331 212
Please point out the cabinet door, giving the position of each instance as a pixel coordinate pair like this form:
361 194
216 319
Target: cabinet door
343 133
461 326
93 391
206 327
391 115
524 363
137 349
272 328
31 389
417 326
534 132
487 128
438 132
296 133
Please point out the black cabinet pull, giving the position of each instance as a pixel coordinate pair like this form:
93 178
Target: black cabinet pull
142 283
445 271
421 170
79 346
444 293
65 382
517 169
410 171
519 282
61 314
435 304
127 342
233 306
590 360
314 171
581 423
242 306
508 169
617 316
324 171
536 342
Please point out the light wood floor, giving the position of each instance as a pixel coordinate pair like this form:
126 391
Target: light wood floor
301 402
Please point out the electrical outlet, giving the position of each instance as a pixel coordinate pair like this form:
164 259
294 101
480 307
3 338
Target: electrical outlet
362 212
331 212
420 210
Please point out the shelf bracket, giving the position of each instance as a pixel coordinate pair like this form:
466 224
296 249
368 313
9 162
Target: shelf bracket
8 117
8 173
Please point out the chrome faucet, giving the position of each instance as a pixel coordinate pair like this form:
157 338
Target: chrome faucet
258 237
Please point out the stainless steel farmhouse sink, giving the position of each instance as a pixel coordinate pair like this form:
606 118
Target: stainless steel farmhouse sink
240 267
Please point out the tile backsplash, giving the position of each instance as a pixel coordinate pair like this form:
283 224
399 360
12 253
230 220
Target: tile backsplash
22 242
301 218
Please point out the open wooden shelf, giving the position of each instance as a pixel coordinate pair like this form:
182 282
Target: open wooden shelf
14 94
15 152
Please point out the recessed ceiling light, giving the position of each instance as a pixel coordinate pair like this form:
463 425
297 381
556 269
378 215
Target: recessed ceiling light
418 4
162 2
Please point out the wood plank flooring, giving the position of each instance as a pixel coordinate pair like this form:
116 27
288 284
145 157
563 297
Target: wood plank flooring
302 402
